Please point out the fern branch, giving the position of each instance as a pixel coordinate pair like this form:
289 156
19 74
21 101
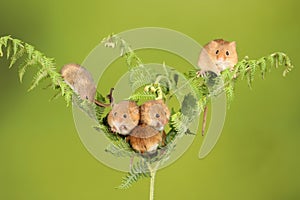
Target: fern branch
138 170
126 51
17 49
244 68
142 96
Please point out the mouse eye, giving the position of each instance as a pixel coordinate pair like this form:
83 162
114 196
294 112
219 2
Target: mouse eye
227 53
115 114
217 52
157 115
125 116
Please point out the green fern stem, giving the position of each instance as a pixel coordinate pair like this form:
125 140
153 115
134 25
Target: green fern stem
152 182
152 179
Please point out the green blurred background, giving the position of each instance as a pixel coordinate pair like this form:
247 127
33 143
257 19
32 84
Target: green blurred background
257 155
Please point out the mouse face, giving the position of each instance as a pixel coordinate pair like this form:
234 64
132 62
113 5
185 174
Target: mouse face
222 53
124 117
155 113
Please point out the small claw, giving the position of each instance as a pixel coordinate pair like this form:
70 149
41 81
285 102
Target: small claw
201 73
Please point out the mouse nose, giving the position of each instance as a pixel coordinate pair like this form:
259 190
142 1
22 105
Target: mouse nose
220 58
123 127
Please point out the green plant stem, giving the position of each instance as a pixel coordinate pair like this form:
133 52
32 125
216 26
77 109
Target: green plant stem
152 181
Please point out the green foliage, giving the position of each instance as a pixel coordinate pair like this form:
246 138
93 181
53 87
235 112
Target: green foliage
143 95
243 69
190 106
16 50
118 145
138 170
156 86
126 51
179 123
139 76
199 86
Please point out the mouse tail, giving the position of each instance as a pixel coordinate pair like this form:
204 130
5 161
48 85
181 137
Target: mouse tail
204 120
101 104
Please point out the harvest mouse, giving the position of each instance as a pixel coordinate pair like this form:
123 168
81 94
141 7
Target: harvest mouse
124 117
144 138
81 82
216 56
155 113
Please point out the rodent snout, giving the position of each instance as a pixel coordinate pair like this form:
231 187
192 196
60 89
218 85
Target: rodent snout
123 127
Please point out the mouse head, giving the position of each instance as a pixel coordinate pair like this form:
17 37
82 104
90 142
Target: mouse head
123 117
145 138
222 53
69 73
80 80
155 113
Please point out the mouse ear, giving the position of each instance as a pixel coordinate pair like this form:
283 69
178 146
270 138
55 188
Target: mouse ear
133 107
213 43
233 44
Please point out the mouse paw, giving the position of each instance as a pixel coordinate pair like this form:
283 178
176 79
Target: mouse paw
201 73
113 129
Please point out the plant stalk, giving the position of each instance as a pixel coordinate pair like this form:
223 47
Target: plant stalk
152 181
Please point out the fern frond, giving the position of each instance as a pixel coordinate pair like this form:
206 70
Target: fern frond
16 56
126 51
3 42
140 76
288 66
23 67
117 141
137 171
198 84
142 96
16 45
40 75
8 51
120 150
263 66
17 49
30 50
244 68
179 123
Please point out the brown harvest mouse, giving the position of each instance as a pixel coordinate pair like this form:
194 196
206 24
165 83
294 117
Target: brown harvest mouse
81 82
155 113
216 56
124 117
144 138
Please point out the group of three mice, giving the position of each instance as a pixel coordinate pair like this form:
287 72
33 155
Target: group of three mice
143 126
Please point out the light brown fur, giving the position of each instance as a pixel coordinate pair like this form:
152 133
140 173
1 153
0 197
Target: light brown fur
81 82
144 138
217 56
155 113
124 117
